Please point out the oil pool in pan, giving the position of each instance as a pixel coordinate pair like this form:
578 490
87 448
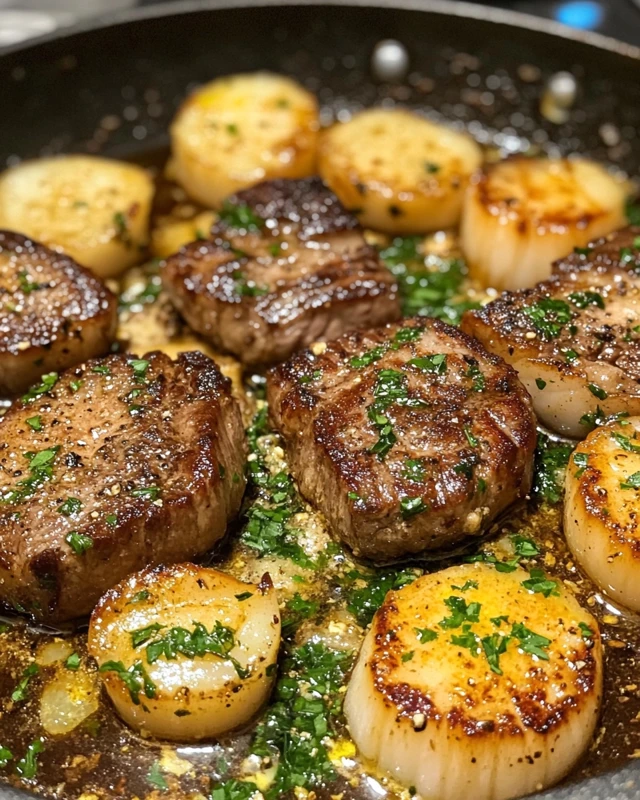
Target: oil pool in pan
327 598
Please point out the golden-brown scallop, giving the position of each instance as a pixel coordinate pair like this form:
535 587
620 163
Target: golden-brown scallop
602 509
95 210
240 130
470 683
522 214
399 172
186 652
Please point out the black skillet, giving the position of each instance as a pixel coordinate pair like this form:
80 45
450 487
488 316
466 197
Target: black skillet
113 88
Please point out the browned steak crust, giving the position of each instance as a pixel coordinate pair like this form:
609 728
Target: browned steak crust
288 265
53 312
618 250
123 463
408 437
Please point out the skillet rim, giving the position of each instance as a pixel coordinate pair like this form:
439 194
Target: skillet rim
451 8
622 783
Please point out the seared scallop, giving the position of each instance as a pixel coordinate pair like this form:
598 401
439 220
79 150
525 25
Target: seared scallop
53 313
408 438
602 509
398 171
523 213
186 652
116 464
95 210
471 684
240 130
575 342
287 266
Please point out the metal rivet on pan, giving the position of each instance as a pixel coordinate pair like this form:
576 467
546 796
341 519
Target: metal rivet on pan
390 61
559 96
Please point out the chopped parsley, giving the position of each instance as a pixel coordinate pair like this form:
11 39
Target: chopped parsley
297 610
364 600
40 471
632 482
548 316
35 423
70 506
234 790
20 692
413 470
156 778
219 641
550 463
101 369
47 382
524 547
147 492
473 441
466 639
27 767
494 646
479 381
404 335
581 460
135 679
408 656
540 383
307 699
465 586
461 612
139 367
248 288
530 642
5 756
390 388
73 662
436 363
431 287
425 635
539 583
585 630
240 216
597 391
410 506
78 542
26 284
367 358
584 299
625 442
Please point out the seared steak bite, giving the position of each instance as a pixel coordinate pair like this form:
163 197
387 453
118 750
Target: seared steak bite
288 265
410 437
618 250
574 339
53 312
117 464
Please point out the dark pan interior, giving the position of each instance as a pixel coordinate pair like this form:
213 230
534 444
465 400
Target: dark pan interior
114 90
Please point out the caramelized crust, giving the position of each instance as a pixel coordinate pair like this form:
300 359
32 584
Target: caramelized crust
541 694
464 436
131 462
618 250
53 312
287 266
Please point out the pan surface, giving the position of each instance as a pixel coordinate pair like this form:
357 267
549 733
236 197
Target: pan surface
113 89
